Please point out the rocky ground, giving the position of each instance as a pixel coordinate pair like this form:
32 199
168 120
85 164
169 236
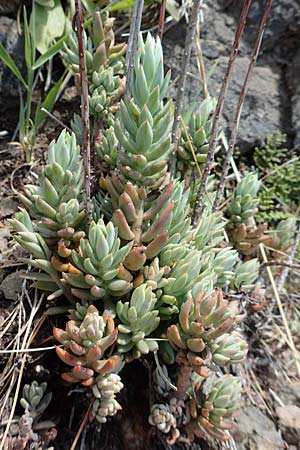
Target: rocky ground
269 418
273 99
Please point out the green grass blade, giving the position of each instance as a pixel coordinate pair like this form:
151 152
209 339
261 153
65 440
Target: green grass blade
123 4
21 120
9 62
52 51
28 44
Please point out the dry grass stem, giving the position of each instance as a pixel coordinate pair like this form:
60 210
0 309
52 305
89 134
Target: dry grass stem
281 310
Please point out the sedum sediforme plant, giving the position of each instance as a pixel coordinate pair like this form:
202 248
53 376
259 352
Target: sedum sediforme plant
27 430
105 69
140 281
243 232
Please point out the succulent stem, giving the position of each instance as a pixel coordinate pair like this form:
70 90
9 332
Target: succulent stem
183 381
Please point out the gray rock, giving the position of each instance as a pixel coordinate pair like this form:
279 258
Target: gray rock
282 30
273 99
14 44
289 422
9 6
12 285
292 78
261 113
255 430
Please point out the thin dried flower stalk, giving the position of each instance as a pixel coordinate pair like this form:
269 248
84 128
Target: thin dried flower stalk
86 148
240 104
219 109
189 39
161 21
133 39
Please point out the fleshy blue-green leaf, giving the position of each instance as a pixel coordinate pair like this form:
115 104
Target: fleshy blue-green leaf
52 51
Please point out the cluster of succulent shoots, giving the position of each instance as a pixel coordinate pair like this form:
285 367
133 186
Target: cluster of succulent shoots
28 430
195 133
139 281
245 234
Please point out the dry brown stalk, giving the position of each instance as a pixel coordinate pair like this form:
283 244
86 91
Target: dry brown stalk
161 20
133 40
85 115
286 264
81 427
218 112
240 104
190 34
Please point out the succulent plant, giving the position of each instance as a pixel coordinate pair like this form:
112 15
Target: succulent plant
281 239
97 261
34 399
210 230
27 237
244 202
104 90
228 349
84 347
49 279
162 383
162 418
147 122
223 264
245 276
100 48
216 410
246 239
199 131
104 390
182 276
56 203
201 322
155 276
108 150
152 275
138 319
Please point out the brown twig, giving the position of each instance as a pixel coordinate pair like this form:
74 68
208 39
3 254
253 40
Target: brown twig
218 112
52 116
240 104
85 116
81 427
285 264
161 20
189 39
133 40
